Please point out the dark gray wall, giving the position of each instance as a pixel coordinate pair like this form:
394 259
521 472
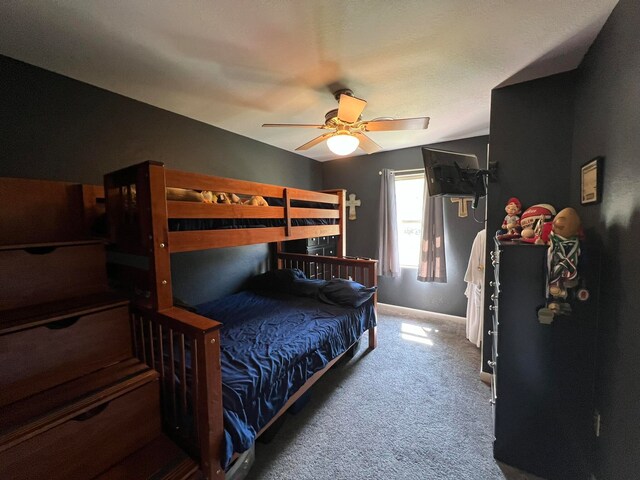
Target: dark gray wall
607 118
57 128
531 138
359 175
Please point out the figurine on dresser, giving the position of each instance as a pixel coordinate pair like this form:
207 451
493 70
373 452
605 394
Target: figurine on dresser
562 263
511 224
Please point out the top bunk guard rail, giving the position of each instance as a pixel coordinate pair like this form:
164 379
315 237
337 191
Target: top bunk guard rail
137 205
196 181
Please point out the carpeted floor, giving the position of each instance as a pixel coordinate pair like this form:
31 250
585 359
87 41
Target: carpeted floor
414 408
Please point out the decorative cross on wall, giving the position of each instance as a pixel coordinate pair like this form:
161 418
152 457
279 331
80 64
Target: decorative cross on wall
462 206
352 203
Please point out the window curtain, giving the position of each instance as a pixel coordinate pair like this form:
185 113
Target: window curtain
388 255
432 265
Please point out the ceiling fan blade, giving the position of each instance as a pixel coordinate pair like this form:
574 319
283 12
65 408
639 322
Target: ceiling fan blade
315 141
296 125
367 144
350 108
419 123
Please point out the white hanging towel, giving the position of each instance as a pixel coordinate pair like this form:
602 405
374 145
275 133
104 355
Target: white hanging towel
475 288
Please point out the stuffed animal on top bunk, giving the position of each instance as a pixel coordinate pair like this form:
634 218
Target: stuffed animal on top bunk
256 200
562 264
511 223
207 196
226 198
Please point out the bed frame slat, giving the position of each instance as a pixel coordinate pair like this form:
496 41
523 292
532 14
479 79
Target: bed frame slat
188 241
172 379
183 377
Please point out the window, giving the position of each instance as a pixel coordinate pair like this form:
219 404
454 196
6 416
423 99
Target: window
409 202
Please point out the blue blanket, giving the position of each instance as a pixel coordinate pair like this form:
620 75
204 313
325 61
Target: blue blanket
271 344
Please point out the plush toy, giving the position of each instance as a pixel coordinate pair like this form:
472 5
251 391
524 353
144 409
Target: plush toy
207 196
532 220
542 233
227 198
257 200
562 263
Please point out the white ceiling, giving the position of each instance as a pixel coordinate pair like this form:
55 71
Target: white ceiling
237 64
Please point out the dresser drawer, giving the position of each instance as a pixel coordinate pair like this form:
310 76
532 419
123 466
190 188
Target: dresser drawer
42 274
89 443
315 250
41 357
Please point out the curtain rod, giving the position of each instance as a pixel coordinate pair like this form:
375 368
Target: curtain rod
405 171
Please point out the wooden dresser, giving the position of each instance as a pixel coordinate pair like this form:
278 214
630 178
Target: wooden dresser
74 401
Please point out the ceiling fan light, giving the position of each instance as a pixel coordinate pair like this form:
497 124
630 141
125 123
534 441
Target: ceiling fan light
343 143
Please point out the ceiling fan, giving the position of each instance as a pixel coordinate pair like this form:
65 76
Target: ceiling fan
347 127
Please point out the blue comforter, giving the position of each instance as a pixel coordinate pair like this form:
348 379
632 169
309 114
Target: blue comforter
271 344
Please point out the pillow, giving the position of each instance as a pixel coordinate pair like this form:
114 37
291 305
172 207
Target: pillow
339 291
305 287
278 280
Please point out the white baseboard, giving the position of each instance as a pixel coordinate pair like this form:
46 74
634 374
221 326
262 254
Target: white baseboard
396 309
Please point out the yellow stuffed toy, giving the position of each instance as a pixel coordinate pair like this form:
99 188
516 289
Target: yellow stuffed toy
226 198
257 200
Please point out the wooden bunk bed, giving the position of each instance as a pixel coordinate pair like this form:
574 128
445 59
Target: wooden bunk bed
183 346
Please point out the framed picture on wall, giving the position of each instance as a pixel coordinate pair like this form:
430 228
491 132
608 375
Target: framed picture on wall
591 182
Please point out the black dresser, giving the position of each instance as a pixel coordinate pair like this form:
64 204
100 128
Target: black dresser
327 246
542 383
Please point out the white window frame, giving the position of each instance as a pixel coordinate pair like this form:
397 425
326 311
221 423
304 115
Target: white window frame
406 219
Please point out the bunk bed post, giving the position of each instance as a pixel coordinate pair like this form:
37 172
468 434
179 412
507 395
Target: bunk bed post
287 212
372 280
209 421
342 243
278 250
160 264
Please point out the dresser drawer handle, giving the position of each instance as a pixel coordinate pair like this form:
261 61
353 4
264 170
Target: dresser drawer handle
492 402
491 363
89 414
64 323
492 332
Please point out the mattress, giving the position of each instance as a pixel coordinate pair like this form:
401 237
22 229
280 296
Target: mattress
186 224
271 344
